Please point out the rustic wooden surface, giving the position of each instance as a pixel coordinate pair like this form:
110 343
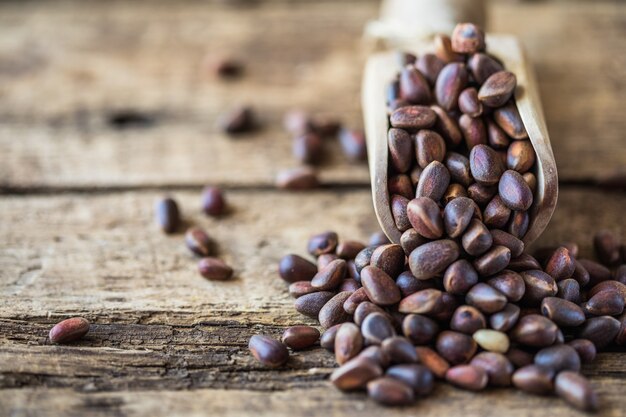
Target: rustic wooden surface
77 231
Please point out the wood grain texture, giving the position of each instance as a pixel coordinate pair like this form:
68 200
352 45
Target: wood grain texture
65 69
159 328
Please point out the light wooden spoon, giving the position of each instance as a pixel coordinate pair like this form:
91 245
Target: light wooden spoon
381 68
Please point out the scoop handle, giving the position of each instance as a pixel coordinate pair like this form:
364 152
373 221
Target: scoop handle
403 22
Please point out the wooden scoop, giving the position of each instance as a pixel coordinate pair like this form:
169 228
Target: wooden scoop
409 25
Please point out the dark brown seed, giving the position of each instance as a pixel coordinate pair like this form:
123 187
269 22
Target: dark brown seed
467 319
301 178
459 277
390 391
562 312
214 269
311 304
366 308
293 268
497 367
399 350
430 66
376 354
300 337
355 374
611 286
497 89
535 331
519 358
325 259
376 327
425 217
486 298
600 330
467 38
459 168
69 330
349 284
502 238
380 288
477 239
561 264
307 148
496 138
531 180
413 86
451 81
300 288
514 191
401 185
607 247
433 182
518 224
418 377
524 262
585 348
508 118
534 380
429 146
539 285
213 201
167 215
349 249
225 67
420 330
398 211
238 120
458 214
483 66
432 258
410 240
322 243
363 258
569 290
455 347
332 312
446 307
443 49
198 241
485 164
268 351
467 377
327 341
520 156
558 358
390 258
620 272
481 193
400 149
474 131
426 301
505 319
348 342
330 276
597 272
433 361
356 298
576 390
606 302
408 284
469 102
493 261
447 127
353 144
413 117
509 283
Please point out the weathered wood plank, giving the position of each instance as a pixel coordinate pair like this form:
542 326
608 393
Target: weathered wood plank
65 69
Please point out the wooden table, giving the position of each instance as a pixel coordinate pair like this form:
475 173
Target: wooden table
77 193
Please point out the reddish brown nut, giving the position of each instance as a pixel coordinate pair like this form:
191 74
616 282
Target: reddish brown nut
69 330
467 38
214 269
497 89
